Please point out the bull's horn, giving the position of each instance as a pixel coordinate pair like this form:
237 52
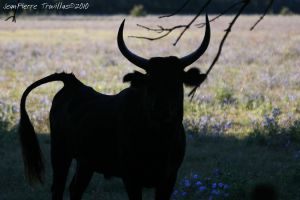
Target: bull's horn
189 59
137 60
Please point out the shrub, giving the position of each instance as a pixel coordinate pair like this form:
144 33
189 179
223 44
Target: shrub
253 101
138 11
285 11
225 96
7 116
269 132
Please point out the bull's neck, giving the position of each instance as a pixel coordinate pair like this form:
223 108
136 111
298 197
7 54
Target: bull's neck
168 113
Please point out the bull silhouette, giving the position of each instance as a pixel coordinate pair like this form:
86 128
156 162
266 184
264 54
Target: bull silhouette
136 135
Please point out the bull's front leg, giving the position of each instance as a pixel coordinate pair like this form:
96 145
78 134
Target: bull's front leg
165 189
133 189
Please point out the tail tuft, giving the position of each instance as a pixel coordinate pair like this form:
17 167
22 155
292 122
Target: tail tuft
32 155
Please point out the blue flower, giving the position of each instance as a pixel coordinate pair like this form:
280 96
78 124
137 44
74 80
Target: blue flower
220 185
183 193
214 185
276 112
187 183
202 188
215 192
198 183
226 186
196 176
195 186
216 172
228 125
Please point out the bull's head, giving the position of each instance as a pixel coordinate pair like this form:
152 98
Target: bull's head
164 78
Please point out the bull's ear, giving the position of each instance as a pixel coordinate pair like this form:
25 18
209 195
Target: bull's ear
193 77
128 77
136 78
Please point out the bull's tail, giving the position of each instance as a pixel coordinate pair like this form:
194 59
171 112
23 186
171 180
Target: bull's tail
32 156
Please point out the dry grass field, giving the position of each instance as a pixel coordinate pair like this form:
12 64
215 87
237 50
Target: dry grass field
243 125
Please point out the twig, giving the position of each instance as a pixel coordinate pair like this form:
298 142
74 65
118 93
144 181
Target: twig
151 39
200 25
192 21
263 15
160 29
177 11
14 18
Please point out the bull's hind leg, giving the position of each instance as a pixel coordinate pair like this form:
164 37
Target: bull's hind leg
165 189
60 165
133 189
80 181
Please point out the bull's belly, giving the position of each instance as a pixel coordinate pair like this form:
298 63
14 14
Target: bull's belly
146 177
151 179
102 164
102 155
149 174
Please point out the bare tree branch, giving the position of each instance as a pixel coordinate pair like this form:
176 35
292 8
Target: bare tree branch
161 29
177 11
192 21
200 25
227 31
166 31
263 15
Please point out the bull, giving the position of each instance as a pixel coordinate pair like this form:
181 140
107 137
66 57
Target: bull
136 135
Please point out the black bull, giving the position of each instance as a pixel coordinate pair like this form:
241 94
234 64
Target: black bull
136 135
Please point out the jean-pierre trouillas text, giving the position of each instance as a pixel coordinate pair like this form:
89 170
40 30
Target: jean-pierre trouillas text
47 6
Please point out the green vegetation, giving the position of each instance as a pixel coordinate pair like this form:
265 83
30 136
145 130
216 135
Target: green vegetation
242 125
285 11
224 95
138 11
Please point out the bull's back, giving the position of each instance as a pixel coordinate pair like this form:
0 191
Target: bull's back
70 107
84 120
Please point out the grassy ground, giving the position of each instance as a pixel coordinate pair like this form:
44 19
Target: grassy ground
243 124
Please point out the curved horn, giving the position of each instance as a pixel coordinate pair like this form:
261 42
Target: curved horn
189 59
138 61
